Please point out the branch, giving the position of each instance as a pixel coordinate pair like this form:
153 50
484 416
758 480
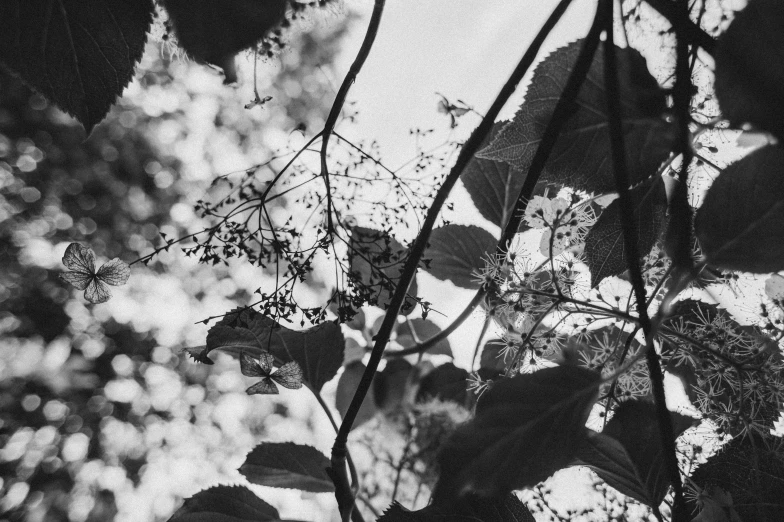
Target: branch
471 146
340 99
693 32
629 226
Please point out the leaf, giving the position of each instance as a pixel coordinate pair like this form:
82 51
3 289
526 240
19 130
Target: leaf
493 185
740 225
774 287
225 504
80 54
491 358
634 426
469 509
447 383
752 473
376 259
423 329
288 465
318 350
605 245
347 386
580 156
390 386
750 67
457 251
526 428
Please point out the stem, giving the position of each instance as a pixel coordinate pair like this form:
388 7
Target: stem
684 27
629 226
340 100
471 146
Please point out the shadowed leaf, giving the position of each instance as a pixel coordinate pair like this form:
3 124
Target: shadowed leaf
225 504
447 383
347 386
457 251
80 54
288 465
414 331
469 509
580 158
526 428
740 225
604 245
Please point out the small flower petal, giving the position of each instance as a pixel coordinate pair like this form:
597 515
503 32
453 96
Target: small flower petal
79 258
289 376
114 272
78 280
263 387
266 361
97 291
250 367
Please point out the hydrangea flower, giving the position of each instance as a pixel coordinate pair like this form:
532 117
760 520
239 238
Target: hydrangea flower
81 274
289 375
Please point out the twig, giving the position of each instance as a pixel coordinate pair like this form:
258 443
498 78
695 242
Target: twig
629 228
471 146
340 100
693 32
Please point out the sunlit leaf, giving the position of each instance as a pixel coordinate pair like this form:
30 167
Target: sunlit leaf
80 54
604 245
750 67
526 428
740 225
347 386
377 259
456 252
469 509
288 465
225 504
580 156
413 331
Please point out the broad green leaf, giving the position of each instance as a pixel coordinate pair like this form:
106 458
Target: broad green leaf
634 425
740 225
526 428
377 259
469 509
80 54
493 185
318 350
225 504
605 246
414 331
288 465
750 67
347 386
456 252
447 383
580 156
752 473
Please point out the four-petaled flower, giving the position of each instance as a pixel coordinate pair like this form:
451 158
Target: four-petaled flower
289 375
80 262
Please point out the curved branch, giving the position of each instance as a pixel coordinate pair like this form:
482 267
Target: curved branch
340 100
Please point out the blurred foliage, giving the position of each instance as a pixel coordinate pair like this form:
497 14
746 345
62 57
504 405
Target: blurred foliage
100 419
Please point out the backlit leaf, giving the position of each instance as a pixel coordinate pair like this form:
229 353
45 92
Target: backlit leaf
469 509
526 428
225 504
80 54
457 251
414 331
347 386
604 245
740 225
288 465
580 156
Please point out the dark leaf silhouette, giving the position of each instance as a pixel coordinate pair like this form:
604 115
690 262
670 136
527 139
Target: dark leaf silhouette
604 245
377 259
752 472
347 386
456 252
526 428
447 383
580 156
318 350
468 509
390 385
491 358
750 67
414 331
81 274
740 225
288 465
80 54
225 504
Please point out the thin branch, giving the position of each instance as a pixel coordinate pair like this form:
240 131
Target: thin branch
629 227
340 100
471 146
693 32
